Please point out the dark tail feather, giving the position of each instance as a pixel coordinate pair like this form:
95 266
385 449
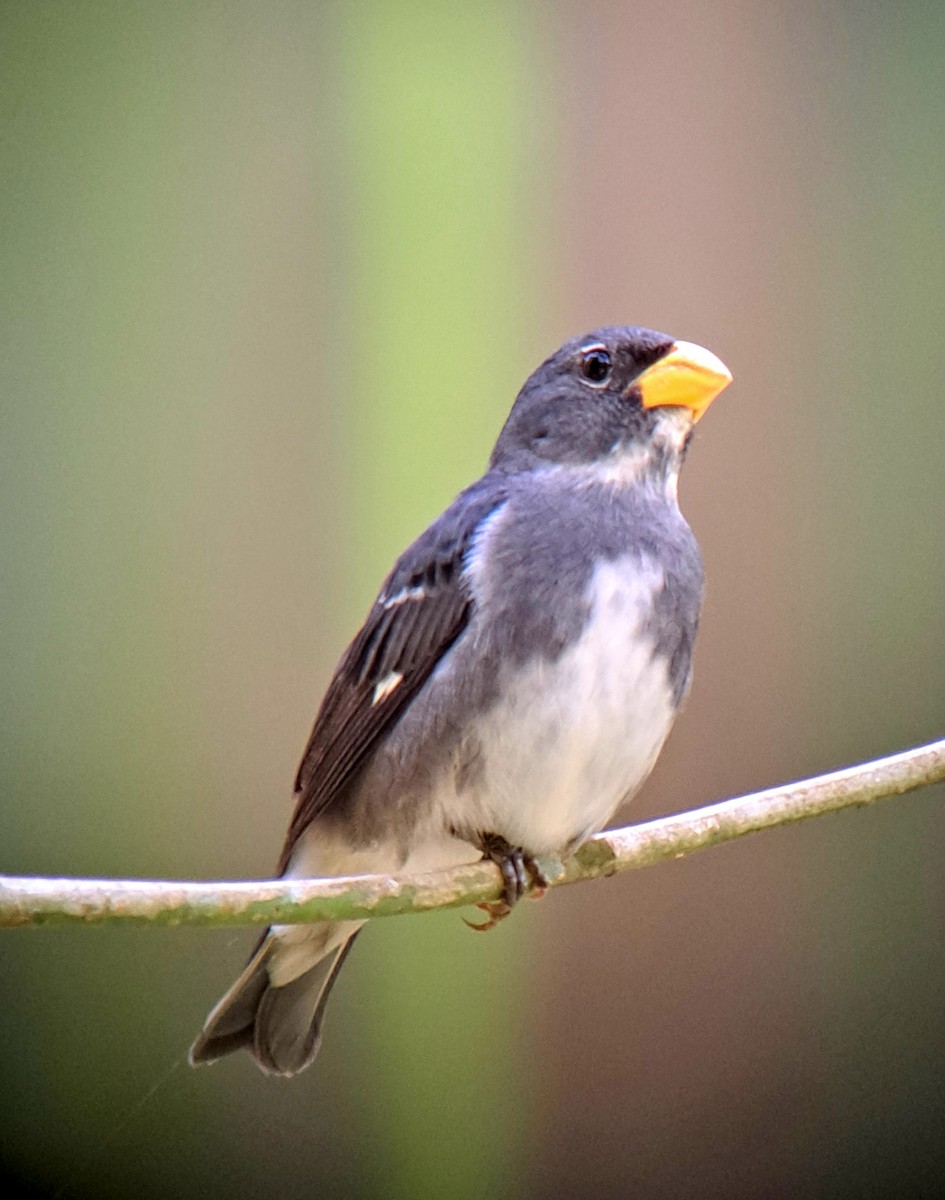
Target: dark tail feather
279 1026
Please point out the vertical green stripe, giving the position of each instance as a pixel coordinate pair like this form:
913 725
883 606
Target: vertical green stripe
435 241
437 278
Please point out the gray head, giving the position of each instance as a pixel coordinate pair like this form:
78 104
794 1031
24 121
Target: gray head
618 394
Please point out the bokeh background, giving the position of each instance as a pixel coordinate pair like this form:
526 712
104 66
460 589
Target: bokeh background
270 276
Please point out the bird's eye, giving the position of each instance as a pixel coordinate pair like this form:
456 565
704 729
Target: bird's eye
595 364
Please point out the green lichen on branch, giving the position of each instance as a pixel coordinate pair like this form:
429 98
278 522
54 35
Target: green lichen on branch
33 902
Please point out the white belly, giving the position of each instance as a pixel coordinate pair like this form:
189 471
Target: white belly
571 739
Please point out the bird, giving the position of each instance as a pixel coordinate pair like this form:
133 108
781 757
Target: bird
516 677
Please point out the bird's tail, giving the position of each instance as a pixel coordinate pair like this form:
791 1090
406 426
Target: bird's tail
275 1008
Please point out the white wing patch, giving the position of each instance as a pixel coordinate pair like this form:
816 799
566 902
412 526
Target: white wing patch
386 685
405 595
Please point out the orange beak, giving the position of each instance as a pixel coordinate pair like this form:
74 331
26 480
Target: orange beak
688 377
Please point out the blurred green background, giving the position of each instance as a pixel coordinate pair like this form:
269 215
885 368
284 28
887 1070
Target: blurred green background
270 276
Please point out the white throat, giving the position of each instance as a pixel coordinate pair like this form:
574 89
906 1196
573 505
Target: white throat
630 465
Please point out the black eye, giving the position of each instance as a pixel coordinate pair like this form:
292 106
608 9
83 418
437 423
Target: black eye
595 364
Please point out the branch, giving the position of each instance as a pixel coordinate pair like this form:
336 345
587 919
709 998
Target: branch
293 901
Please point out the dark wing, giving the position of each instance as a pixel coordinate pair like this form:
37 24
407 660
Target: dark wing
422 609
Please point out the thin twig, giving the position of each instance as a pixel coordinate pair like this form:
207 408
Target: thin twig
96 901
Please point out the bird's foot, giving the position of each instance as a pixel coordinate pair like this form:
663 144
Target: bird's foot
496 911
521 876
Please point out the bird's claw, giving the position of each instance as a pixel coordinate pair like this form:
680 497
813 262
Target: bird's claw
497 911
521 876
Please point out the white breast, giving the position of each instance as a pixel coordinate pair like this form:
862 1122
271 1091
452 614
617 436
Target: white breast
571 739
